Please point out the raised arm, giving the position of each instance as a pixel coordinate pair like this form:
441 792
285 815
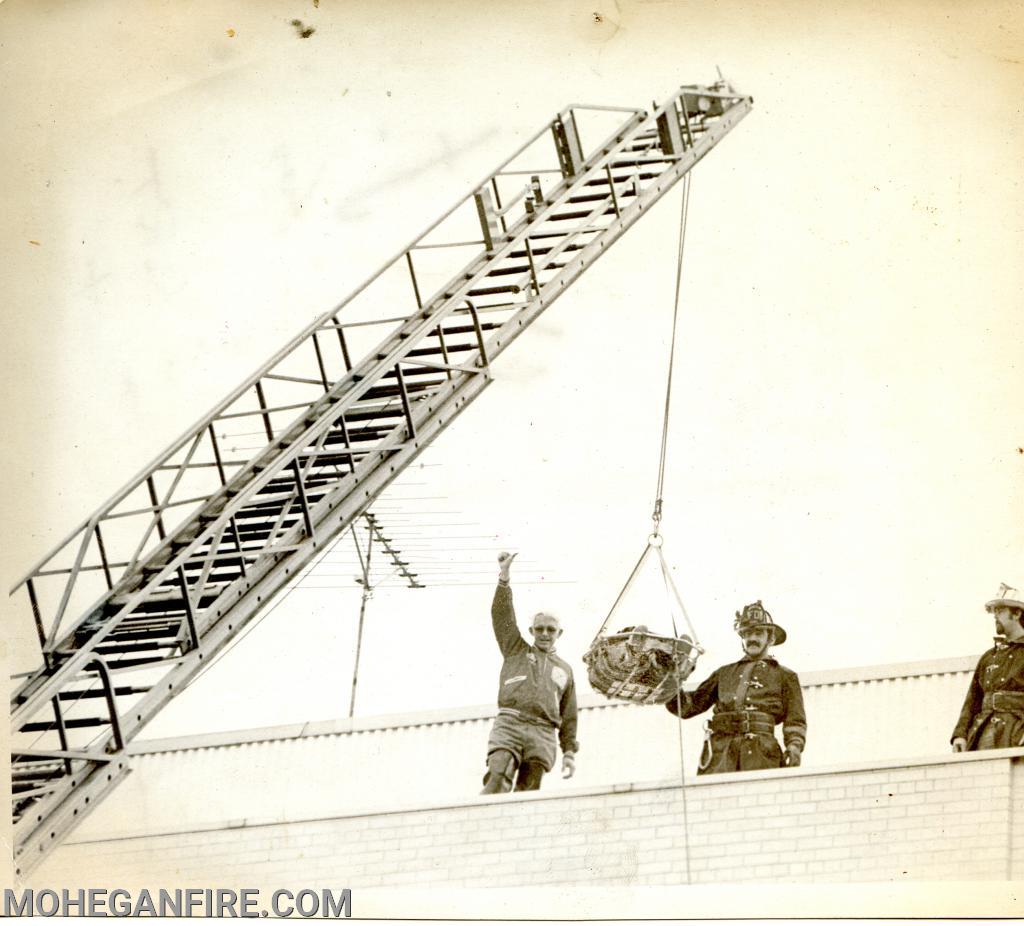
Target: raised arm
503 614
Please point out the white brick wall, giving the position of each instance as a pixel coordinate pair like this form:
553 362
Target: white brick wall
214 779
1016 815
956 818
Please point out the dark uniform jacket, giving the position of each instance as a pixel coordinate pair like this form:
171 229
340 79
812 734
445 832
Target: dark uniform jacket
993 713
537 687
750 698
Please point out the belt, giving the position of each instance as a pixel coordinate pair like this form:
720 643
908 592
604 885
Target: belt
1012 701
737 722
527 718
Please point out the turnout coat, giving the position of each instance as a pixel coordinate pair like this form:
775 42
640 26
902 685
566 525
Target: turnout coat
993 713
750 697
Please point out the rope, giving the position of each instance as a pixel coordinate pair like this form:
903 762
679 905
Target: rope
622 594
682 784
684 209
659 491
670 586
683 212
654 542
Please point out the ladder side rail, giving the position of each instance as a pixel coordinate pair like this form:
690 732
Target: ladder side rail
229 500
707 144
227 623
298 340
98 779
202 429
480 261
345 506
556 286
459 394
424 326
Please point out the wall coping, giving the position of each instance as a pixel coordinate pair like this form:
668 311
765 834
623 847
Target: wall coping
710 781
382 722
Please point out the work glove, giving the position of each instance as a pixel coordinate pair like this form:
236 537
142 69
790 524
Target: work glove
792 756
568 765
959 744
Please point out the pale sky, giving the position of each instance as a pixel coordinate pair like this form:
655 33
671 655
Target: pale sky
846 427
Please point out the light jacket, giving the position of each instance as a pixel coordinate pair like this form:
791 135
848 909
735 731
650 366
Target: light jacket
538 687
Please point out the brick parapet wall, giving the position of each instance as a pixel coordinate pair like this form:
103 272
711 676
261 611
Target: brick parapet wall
360 766
1016 864
950 818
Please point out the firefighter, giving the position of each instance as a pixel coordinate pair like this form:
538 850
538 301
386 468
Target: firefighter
750 698
536 699
993 713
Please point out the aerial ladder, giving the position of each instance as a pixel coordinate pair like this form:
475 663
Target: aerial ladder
145 592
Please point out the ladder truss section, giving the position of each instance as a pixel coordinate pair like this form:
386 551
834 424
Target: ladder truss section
152 585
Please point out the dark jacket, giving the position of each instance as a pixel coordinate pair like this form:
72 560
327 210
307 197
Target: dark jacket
537 686
984 723
760 685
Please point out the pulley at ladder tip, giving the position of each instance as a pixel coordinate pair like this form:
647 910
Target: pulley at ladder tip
641 667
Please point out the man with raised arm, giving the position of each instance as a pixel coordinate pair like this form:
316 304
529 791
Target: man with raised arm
536 699
750 698
993 713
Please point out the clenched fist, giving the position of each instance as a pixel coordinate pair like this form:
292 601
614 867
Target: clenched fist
504 562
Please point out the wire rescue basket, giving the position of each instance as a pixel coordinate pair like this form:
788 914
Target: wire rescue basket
639 666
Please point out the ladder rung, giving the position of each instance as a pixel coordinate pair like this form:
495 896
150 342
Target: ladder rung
369 414
541 251
493 290
173 607
138 647
575 214
119 691
71 723
567 216
591 197
603 180
115 664
390 391
138 636
468 329
36 768
433 352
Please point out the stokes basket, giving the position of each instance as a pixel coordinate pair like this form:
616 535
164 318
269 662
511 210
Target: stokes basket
639 666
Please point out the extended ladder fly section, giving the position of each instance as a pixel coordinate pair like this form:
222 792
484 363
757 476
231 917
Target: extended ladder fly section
162 576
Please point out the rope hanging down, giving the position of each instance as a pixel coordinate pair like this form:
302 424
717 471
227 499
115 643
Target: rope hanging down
659 491
654 542
637 665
